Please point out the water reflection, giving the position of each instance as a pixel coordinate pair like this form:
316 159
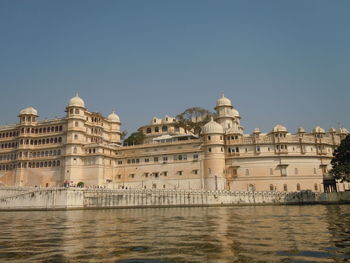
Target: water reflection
214 234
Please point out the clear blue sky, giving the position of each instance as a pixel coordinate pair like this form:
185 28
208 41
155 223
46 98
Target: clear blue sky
278 61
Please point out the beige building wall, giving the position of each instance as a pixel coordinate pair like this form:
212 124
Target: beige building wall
85 147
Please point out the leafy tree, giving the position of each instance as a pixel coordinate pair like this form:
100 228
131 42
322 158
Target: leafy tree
341 161
134 138
193 119
80 184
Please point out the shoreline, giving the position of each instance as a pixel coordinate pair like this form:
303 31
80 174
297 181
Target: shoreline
51 199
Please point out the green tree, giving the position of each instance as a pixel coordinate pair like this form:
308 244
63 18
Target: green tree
134 139
80 184
193 119
341 161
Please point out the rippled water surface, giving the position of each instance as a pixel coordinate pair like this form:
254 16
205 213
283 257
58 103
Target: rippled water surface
206 234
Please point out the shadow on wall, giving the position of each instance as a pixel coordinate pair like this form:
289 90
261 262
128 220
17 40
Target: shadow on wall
306 196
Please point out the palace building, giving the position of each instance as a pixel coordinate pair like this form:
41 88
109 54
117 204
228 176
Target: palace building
86 147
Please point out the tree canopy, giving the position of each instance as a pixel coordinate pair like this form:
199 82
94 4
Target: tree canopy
193 119
134 139
341 161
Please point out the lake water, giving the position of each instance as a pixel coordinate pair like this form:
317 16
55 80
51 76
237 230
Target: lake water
205 234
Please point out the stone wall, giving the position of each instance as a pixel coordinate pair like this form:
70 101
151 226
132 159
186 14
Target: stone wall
74 198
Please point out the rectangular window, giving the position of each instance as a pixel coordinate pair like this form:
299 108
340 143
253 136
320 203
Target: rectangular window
146 160
155 159
179 172
195 156
284 171
165 158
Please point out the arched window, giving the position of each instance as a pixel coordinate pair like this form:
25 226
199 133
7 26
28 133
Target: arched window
164 128
75 136
149 130
285 188
298 187
76 111
156 129
271 187
316 187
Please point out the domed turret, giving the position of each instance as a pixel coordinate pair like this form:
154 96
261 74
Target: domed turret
235 113
332 130
223 101
76 101
113 117
343 131
301 130
212 127
257 131
279 128
28 111
318 129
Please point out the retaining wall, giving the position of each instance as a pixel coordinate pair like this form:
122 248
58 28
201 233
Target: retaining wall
75 198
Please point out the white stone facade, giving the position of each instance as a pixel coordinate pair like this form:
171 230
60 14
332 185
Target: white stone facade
85 147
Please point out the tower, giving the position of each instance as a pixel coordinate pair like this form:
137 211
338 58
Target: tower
214 156
114 121
227 116
75 138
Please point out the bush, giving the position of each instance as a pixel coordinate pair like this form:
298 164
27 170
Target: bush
80 184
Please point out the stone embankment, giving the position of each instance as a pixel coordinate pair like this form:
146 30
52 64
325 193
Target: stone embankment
76 198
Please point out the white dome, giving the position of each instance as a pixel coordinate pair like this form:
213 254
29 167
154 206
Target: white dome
235 112
76 102
343 131
113 117
318 129
223 101
234 130
257 130
301 130
29 111
212 127
279 128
